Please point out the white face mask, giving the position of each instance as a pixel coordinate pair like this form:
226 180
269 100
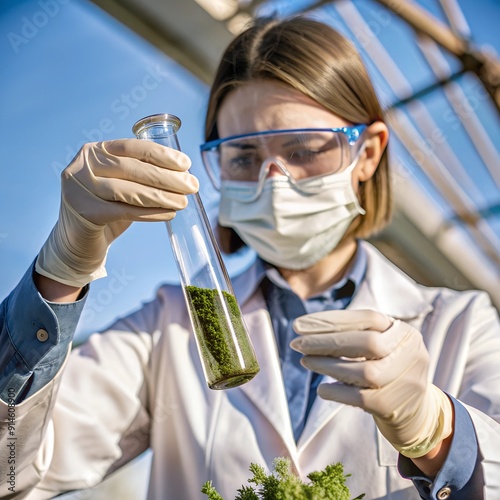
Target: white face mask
286 227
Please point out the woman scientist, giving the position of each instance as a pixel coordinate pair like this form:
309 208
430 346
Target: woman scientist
408 377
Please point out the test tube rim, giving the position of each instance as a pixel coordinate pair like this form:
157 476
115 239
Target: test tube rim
156 119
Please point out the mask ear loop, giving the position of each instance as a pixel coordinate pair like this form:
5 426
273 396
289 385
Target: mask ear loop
355 161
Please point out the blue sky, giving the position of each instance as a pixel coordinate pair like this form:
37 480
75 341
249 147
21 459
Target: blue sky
71 74
69 78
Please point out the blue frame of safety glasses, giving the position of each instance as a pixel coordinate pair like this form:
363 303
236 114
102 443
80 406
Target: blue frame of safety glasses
352 133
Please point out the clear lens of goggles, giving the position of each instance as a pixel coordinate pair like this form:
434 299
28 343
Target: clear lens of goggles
299 154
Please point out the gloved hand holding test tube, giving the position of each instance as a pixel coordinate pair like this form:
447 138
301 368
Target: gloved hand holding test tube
226 352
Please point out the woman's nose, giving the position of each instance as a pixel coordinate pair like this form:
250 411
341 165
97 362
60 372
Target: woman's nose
274 166
274 169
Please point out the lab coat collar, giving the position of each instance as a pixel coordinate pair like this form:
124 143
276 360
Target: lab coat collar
388 290
385 288
266 390
246 283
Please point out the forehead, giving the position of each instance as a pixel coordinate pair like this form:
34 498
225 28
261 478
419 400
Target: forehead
266 105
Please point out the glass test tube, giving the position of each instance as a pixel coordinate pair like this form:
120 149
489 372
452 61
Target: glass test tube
225 349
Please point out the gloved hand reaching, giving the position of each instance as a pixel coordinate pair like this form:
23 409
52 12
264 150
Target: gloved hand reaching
381 365
106 187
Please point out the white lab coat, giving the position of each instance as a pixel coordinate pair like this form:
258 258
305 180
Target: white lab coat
141 385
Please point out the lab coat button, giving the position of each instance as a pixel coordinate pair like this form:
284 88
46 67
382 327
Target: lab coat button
444 493
42 335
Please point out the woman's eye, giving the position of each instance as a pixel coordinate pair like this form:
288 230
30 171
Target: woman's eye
304 155
242 161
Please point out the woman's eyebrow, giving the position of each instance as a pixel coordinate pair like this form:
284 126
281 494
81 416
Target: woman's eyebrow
300 138
240 145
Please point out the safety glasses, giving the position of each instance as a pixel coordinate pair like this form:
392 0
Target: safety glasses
299 153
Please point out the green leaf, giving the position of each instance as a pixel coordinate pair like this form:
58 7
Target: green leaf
210 491
247 493
283 484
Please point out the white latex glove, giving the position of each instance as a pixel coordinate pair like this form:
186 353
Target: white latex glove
381 365
106 187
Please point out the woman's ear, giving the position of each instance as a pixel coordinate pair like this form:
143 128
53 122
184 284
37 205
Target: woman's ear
376 137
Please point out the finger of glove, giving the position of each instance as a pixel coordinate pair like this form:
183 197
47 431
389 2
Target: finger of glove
342 393
352 396
113 214
146 151
374 373
121 212
366 344
341 321
369 344
141 175
386 405
97 168
103 165
128 204
404 347
82 195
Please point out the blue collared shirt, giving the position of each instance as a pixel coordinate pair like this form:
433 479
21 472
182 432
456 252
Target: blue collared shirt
284 307
35 336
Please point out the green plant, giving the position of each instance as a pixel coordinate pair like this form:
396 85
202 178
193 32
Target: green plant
222 338
283 484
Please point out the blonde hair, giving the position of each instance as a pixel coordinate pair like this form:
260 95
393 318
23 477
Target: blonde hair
318 61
